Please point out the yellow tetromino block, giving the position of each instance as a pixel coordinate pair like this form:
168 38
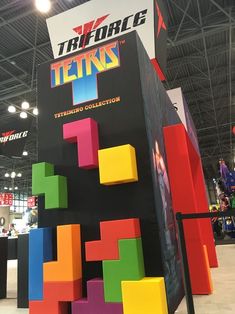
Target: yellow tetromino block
145 296
117 165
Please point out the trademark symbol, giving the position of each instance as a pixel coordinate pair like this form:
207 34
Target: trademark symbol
122 42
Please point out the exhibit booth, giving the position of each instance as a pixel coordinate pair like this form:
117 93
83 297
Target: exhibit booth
116 162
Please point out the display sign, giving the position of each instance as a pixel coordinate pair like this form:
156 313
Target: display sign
6 199
96 21
32 202
81 71
181 106
13 135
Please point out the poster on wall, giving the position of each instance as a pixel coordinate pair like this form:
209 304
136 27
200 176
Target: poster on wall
13 136
97 21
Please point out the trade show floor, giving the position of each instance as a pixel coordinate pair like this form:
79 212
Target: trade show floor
221 301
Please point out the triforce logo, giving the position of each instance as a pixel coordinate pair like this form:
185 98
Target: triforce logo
10 136
81 70
161 23
91 33
89 27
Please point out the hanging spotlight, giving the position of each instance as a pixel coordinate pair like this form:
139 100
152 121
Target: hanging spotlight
7 175
43 6
16 187
35 111
10 189
11 109
13 174
5 188
23 115
19 175
25 105
25 153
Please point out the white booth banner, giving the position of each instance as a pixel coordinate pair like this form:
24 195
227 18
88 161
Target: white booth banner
98 20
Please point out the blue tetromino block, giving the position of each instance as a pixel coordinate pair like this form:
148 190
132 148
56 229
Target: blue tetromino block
40 251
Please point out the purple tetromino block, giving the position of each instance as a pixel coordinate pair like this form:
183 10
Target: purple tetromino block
95 304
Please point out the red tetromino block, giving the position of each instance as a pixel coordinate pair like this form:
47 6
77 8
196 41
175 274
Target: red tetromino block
48 306
189 196
111 232
63 291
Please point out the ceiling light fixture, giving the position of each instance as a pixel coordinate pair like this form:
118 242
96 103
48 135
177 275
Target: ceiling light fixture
7 175
25 153
19 175
35 111
23 115
11 109
5 188
16 187
13 174
43 6
24 110
25 105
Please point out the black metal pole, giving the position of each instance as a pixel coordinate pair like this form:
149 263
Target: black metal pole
186 275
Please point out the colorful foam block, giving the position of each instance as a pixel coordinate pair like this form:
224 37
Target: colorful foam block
48 307
117 165
130 266
144 296
68 266
95 304
40 251
54 187
111 232
85 134
188 196
63 291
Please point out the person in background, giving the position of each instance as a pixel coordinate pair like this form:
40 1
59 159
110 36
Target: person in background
224 202
215 222
12 231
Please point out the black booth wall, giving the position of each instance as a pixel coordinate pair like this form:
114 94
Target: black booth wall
137 120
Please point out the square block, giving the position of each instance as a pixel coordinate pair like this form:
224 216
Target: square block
117 165
146 296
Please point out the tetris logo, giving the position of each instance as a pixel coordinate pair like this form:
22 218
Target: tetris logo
81 70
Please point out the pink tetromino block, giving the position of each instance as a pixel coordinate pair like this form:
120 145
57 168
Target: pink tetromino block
95 303
85 134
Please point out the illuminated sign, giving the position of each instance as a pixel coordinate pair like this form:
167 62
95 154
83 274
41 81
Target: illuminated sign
6 199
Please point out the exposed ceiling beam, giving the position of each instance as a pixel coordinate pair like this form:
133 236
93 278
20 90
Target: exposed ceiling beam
223 10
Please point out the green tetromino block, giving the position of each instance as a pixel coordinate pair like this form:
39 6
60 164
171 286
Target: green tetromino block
129 267
54 187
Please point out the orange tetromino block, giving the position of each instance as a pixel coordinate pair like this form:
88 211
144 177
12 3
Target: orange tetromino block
52 307
111 232
68 266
